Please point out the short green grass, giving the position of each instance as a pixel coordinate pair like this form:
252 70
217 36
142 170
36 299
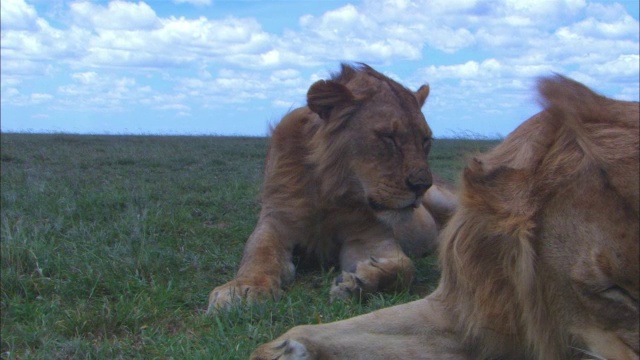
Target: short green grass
111 245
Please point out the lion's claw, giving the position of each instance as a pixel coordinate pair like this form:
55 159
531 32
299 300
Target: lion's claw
234 292
346 286
286 350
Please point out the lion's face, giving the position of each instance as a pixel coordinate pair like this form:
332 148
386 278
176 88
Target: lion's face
388 155
598 275
382 136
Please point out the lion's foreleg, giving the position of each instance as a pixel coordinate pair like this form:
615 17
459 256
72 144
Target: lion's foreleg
416 330
372 265
416 231
441 203
265 268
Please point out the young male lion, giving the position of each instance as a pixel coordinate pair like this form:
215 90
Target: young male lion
541 259
344 180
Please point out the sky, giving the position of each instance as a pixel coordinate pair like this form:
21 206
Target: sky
235 67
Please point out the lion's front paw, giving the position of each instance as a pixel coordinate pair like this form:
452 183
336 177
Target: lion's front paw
283 350
234 292
346 286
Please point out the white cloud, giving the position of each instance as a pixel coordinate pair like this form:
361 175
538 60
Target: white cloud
607 22
28 54
180 107
38 98
355 33
449 6
244 87
93 91
548 9
12 95
271 57
629 92
286 104
607 11
85 78
8 82
470 70
625 66
118 15
177 42
286 73
131 34
449 40
17 15
193 2
115 55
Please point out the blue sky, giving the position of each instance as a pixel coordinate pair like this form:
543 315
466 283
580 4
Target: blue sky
235 67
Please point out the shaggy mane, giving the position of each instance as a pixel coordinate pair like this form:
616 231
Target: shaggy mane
502 193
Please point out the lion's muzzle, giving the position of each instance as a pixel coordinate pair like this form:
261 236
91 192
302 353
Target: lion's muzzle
419 181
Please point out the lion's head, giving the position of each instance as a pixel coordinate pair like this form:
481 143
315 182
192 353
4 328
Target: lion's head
542 256
373 140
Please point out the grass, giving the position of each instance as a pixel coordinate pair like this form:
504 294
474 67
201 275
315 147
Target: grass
111 245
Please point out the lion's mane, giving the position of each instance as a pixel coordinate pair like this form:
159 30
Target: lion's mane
489 260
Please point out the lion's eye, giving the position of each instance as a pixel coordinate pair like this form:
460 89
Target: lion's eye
388 139
426 145
619 296
617 293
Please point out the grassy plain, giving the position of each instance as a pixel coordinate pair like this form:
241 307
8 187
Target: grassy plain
111 244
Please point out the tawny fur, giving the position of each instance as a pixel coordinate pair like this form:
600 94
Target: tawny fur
345 179
541 259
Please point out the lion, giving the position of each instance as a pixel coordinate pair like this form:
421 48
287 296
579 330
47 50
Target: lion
345 182
540 259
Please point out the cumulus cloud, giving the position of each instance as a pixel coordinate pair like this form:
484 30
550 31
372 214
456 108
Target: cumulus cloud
127 34
131 34
177 42
37 98
181 107
13 96
353 33
17 15
91 91
118 15
623 67
193 2
109 49
85 78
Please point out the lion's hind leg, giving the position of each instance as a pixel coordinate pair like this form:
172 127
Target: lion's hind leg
370 266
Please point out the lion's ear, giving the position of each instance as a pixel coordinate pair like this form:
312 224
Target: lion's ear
422 94
324 95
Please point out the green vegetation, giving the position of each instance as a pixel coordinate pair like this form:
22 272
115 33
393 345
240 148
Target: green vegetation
111 245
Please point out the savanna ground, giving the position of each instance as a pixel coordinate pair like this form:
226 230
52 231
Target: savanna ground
111 245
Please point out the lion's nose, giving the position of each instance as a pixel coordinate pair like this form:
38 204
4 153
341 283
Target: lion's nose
419 184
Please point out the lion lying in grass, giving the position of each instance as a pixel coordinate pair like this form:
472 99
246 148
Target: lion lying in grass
344 180
541 259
